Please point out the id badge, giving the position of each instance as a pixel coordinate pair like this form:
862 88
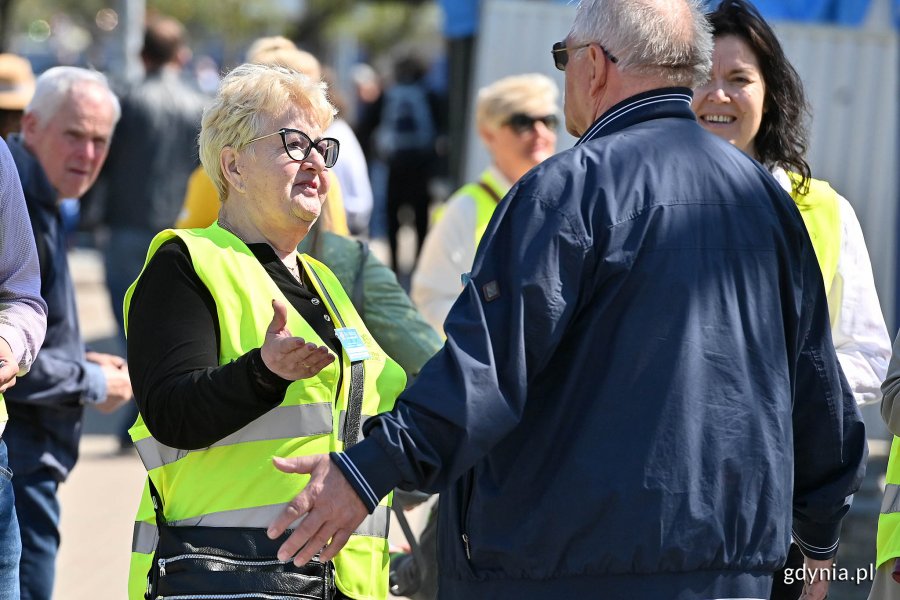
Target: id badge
353 344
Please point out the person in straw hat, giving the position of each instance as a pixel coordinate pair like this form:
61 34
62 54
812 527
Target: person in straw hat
16 90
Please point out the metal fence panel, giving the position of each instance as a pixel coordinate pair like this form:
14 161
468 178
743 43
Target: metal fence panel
850 76
851 81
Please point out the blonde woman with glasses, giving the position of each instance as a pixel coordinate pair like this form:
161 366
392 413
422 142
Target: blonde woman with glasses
243 349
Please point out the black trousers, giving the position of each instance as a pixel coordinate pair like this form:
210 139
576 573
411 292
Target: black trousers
408 179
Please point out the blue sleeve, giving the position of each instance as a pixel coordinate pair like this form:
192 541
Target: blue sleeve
829 435
57 378
525 286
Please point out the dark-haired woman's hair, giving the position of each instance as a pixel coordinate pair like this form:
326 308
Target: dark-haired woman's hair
782 139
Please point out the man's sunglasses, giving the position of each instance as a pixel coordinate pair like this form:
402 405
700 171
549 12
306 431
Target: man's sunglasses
521 123
560 53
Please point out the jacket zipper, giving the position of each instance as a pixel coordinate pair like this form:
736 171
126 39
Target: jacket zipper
466 499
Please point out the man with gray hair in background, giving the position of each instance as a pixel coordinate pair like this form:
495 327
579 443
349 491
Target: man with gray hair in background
65 136
639 357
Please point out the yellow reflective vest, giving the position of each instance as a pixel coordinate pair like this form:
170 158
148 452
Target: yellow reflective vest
887 545
233 483
821 213
487 193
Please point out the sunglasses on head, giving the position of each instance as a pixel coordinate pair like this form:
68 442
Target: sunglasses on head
521 123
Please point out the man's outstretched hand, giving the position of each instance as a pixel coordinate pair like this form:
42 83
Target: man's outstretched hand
331 507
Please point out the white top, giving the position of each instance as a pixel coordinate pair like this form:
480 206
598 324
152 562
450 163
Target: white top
858 330
447 252
353 176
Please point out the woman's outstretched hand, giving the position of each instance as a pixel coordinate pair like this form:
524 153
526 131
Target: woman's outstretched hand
291 357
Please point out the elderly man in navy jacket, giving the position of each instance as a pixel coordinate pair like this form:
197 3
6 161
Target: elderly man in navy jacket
639 358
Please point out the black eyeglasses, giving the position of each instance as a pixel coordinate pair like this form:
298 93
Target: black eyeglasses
298 145
560 53
521 123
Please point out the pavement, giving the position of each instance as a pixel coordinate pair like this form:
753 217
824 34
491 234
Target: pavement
100 498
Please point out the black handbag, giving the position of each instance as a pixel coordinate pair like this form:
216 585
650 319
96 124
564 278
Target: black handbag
229 562
241 563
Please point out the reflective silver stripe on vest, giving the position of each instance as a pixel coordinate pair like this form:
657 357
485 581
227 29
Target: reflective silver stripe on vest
374 525
377 524
343 417
145 537
891 502
282 422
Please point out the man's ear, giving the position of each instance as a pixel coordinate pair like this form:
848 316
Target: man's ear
228 163
599 70
29 126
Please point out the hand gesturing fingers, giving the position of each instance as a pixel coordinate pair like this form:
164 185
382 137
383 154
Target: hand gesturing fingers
290 357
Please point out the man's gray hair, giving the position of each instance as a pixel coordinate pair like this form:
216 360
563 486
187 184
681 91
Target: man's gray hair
54 85
670 39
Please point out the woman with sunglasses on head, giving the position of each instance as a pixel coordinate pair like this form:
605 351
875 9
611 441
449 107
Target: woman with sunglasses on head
754 99
517 118
244 349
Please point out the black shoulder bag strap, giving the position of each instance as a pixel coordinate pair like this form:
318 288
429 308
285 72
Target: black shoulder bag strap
353 420
352 425
157 502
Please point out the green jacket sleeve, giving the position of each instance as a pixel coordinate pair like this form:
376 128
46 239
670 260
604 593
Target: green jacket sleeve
387 311
393 320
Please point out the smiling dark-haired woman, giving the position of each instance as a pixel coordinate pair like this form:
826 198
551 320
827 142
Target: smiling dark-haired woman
243 349
755 100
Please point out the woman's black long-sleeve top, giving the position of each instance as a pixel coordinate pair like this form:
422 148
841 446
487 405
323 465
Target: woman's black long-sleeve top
186 399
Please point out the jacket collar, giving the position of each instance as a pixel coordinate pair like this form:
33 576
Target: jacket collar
654 104
34 181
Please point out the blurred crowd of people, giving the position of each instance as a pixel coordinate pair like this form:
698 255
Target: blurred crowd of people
679 325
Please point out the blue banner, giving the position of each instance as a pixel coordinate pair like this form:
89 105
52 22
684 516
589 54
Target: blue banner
460 17
837 12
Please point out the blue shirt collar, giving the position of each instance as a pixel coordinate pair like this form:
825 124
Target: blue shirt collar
33 177
655 104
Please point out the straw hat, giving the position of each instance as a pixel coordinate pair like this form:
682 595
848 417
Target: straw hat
16 82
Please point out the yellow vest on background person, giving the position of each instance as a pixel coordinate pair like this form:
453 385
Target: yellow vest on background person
4 416
201 204
487 193
887 545
233 483
821 214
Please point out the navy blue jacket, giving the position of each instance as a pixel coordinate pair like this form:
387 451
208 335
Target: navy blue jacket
46 405
639 361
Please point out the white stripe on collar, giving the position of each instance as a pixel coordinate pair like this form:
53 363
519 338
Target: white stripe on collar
595 129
